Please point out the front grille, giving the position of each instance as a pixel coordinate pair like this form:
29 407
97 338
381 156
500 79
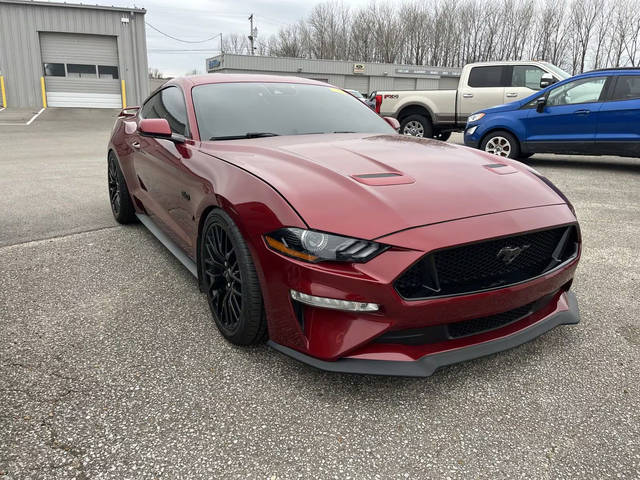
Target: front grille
466 328
489 264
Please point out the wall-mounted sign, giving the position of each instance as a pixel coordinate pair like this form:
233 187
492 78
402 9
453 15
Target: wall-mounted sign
213 63
358 68
422 71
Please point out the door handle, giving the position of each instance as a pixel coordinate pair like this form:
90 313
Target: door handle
136 145
511 95
467 95
583 112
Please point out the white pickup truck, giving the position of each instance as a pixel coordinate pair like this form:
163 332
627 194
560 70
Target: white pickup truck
437 113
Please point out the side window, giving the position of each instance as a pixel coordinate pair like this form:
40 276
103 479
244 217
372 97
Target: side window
168 104
526 76
585 90
627 88
480 77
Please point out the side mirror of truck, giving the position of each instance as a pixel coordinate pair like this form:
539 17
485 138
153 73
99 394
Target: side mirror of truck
546 80
540 104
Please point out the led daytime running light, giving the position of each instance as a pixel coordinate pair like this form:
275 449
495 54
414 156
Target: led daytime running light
334 303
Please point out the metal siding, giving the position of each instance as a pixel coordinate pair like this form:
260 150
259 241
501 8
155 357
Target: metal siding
359 83
20 59
448 83
404 83
427 83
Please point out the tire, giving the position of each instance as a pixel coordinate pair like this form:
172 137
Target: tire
501 143
119 198
416 126
442 136
230 281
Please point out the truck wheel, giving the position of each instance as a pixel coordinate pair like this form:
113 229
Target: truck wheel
442 136
501 143
416 126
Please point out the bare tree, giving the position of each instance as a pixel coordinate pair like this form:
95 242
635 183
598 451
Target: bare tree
573 34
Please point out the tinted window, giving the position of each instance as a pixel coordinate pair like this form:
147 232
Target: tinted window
108 72
235 109
168 104
81 71
585 90
627 88
486 77
526 76
54 70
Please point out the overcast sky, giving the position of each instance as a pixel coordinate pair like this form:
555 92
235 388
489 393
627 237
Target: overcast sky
200 19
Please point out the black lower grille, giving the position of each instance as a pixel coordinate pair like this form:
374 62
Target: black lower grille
489 264
466 328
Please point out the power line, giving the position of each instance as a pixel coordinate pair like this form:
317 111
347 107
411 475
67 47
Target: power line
179 39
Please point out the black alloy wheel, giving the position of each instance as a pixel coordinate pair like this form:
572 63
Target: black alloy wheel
223 278
119 199
230 281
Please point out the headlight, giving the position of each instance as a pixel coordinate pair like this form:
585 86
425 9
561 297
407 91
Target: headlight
313 246
475 117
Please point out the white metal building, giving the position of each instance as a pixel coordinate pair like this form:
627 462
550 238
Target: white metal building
72 55
361 76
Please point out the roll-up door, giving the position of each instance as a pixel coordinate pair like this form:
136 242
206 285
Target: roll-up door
80 70
404 83
355 82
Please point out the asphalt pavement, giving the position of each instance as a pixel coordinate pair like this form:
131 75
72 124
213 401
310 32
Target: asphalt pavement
111 367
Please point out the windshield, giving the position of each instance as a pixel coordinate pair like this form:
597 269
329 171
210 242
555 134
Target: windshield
257 109
561 74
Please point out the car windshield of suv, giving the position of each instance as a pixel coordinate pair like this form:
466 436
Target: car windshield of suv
227 111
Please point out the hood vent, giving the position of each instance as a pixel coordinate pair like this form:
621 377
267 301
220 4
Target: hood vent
383 178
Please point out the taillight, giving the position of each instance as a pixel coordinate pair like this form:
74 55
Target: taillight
378 103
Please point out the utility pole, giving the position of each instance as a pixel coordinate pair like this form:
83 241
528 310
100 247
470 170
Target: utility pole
221 47
251 33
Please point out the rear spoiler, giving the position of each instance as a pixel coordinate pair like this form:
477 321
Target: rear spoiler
128 112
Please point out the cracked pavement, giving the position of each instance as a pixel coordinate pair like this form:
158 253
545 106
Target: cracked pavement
111 368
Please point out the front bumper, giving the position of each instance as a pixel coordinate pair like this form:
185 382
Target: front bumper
332 339
564 313
472 136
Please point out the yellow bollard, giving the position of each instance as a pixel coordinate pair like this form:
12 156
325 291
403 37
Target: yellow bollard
124 94
4 94
44 93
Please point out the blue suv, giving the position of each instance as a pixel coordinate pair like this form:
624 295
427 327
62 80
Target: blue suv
595 113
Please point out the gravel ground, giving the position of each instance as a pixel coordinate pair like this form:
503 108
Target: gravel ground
111 368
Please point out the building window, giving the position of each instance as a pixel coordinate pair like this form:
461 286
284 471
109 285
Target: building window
81 71
54 70
108 72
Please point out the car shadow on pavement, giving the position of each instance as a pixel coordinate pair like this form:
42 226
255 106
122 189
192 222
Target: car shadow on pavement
627 165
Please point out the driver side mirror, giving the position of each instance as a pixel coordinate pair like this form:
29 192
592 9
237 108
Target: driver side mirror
158 128
395 124
546 80
540 104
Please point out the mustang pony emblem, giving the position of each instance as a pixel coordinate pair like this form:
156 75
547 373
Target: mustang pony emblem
509 254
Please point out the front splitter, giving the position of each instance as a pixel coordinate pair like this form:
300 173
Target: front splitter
428 364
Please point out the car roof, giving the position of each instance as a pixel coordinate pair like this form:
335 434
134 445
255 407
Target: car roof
211 78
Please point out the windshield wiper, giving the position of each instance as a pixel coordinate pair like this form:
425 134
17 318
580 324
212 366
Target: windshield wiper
246 135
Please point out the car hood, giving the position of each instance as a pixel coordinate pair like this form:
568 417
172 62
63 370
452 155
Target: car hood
370 186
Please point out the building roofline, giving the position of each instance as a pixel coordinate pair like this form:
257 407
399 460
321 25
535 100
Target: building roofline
74 5
398 65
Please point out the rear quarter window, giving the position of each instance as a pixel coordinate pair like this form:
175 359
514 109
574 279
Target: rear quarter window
627 88
482 77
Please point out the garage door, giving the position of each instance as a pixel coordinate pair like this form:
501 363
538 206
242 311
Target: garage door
359 83
404 83
80 70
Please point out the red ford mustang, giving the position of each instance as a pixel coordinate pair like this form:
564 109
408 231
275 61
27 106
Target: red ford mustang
309 221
